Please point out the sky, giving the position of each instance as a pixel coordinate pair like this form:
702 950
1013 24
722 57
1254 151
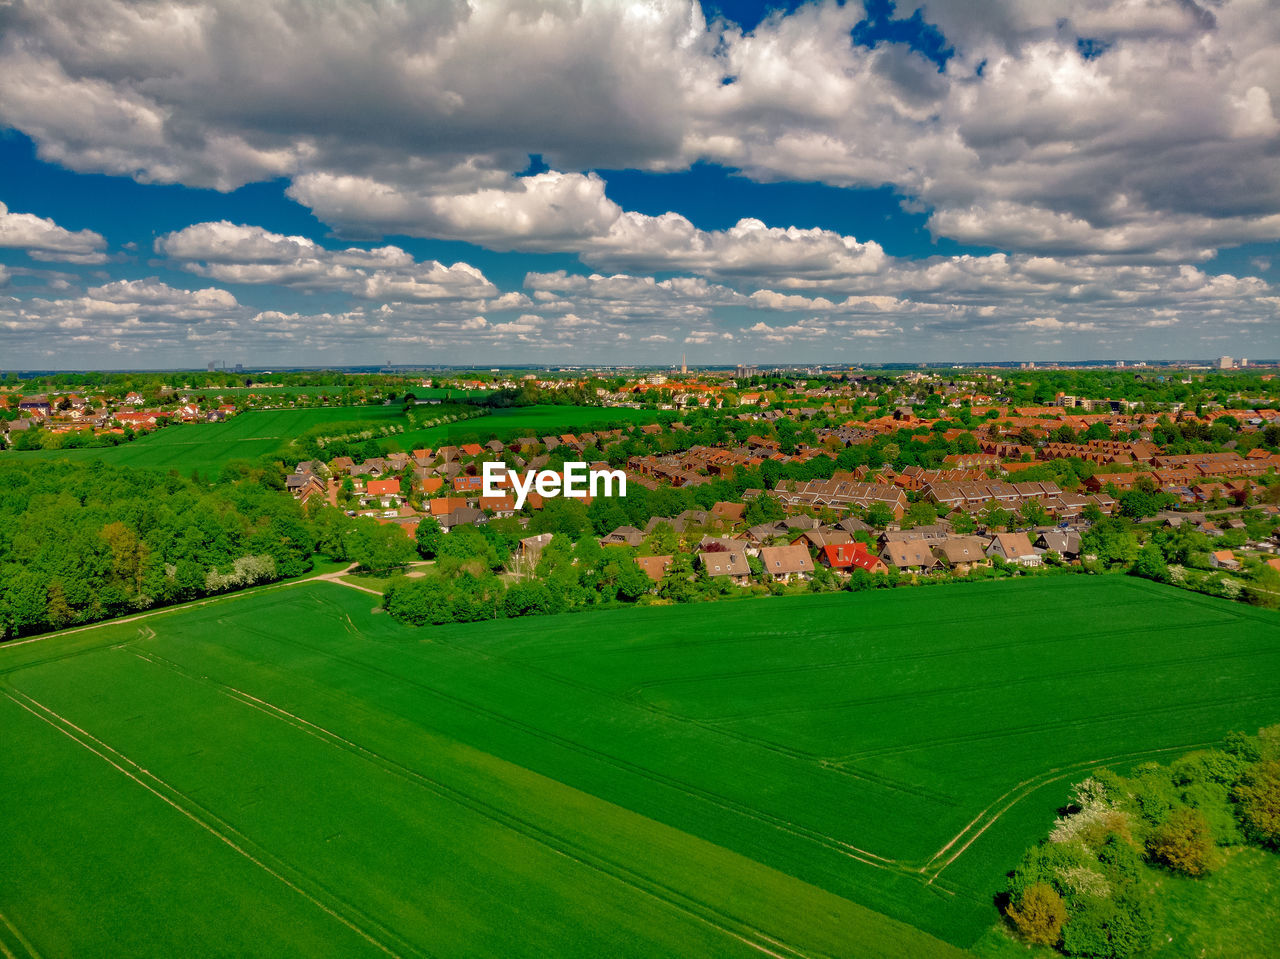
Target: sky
626 182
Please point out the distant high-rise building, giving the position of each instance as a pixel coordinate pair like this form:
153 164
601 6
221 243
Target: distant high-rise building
1224 362
745 371
1244 361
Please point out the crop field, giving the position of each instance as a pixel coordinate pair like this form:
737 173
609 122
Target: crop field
288 772
210 446
525 421
268 392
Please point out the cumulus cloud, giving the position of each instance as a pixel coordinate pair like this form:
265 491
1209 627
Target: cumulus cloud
543 212
45 240
554 211
1101 146
1134 127
221 93
235 253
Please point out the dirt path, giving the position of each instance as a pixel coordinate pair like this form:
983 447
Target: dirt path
336 577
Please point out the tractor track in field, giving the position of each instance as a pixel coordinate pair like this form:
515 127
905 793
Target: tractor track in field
223 831
560 845
710 726
725 803
983 821
18 940
1056 726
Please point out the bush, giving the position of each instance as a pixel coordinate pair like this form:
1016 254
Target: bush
1182 843
1038 915
1110 928
1258 798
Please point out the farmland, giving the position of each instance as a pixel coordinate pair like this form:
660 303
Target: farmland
524 421
287 772
210 446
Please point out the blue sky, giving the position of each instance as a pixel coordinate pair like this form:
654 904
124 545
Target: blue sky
622 183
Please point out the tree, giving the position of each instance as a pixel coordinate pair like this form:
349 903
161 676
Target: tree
428 536
379 548
1039 914
1112 540
662 541
996 517
1258 798
1150 564
763 509
1141 503
633 582
920 513
879 515
1031 513
1182 842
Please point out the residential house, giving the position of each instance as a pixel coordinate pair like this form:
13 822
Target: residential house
1066 543
655 567
1014 548
623 536
1223 559
850 556
530 549
460 516
914 555
444 505
500 506
782 563
821 537
962 553
727 562
390 487
730 513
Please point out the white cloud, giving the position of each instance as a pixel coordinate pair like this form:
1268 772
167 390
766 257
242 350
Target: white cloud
547 211
414 117
235 253
45 240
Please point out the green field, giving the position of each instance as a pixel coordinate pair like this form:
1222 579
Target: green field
267 391
288 772
210 446
517 421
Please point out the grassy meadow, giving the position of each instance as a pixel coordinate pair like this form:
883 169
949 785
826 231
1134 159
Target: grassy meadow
519 421
289 772
208 447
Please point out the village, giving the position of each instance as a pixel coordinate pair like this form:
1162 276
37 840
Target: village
994 506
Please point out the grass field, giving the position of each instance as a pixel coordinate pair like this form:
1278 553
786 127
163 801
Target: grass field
208 447
268 391
525 421
290 773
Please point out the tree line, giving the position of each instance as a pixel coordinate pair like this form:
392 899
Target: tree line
80 542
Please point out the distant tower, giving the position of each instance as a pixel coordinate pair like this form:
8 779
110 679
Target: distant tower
684 366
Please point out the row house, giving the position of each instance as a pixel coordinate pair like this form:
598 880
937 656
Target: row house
842 495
